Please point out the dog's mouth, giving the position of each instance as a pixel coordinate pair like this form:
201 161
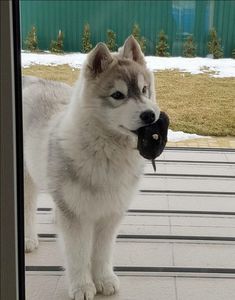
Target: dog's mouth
127 130
152 138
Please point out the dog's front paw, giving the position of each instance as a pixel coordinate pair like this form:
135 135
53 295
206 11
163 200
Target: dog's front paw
107 285
84 292
31 243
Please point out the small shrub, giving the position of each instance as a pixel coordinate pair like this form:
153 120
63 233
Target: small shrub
233 53
189 47
162 46
86 39
58 45
31 42
213 45
111 40
140 39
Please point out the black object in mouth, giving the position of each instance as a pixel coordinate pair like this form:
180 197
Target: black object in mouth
152 138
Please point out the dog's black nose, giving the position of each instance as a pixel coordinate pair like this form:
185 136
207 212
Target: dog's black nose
147 116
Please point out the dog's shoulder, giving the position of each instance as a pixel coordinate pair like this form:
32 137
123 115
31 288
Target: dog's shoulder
42 99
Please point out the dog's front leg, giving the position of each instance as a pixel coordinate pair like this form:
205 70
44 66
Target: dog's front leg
106 281
78 237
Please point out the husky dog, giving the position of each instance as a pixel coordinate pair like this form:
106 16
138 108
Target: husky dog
79 144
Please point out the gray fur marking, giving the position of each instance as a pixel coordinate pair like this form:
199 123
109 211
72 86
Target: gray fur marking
133 88
62 205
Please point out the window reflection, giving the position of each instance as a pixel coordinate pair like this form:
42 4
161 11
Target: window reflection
183 13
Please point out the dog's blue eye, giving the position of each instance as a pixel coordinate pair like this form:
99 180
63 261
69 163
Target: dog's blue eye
118 96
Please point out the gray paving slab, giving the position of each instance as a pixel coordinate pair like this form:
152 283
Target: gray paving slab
131 225
204 255
142 254
193 202
194 155
129 219
131 253
146 219
41 287
150 201
203 231
145 229
158 201
158 230
44 287
161 168
189 168
205 289
230 156
47 228
45 200
150 253
202 202
47 254
188 184
203 221
45 218
149 183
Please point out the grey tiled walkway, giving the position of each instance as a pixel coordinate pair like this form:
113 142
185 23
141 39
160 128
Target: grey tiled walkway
177 241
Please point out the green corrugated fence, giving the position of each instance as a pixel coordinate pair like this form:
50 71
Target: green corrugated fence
177 18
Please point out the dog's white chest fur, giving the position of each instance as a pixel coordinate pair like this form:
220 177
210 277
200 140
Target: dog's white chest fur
105 177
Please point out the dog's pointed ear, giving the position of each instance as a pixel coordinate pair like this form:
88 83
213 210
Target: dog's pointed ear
99 59
131 50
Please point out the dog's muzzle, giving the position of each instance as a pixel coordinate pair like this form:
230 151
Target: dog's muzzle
152 138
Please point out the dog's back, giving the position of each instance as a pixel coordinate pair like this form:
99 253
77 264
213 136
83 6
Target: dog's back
43 101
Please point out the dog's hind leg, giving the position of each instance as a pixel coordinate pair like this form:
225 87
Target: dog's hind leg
105 280
30 206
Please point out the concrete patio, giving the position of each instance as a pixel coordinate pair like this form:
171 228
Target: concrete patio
177 241
206 142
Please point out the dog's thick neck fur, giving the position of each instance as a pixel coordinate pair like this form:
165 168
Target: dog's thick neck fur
101 146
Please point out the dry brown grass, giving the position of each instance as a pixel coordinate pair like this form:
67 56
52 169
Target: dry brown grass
61 73
195 103
198 103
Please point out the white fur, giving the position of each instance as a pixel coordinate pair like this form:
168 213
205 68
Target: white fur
93 134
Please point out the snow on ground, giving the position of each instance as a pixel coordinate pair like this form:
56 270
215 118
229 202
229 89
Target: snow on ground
74 60
224 67
177 136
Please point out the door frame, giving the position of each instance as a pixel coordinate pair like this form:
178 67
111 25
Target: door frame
11 191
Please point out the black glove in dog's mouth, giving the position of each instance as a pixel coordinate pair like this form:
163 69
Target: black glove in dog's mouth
152 138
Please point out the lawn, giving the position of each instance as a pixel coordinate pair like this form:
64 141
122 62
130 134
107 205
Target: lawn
195 103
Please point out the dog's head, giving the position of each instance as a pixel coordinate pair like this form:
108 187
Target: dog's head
119 88
119 91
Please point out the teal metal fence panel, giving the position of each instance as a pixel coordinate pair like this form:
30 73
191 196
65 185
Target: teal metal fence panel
177 18
224 22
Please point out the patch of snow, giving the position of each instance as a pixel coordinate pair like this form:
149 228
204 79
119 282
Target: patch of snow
74 60
224 67
177 136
